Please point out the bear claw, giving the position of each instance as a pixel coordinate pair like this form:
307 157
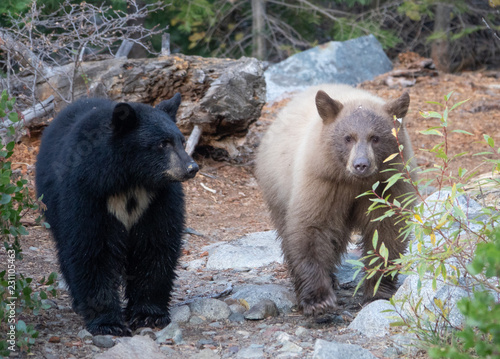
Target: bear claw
148 320
310 308
105 329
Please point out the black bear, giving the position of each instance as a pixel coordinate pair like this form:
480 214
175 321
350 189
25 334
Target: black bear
327 146
110 177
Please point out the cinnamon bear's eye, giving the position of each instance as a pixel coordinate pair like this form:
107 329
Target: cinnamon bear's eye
375 139
348 139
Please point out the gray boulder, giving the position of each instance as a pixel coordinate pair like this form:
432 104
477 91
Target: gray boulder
137 347
371 321
211 309
251 251
407 297
283 297
171 331
349 62
333 350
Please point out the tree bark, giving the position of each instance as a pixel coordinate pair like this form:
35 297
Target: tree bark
258 28
137 50
440 46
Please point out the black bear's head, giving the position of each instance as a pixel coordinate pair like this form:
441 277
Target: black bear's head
150 143
360 133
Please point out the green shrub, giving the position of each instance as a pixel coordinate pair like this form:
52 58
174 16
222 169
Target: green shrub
447 245
16 294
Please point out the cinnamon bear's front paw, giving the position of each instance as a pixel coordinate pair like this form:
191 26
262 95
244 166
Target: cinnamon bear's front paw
318 302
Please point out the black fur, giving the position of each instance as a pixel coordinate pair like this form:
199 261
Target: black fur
100 161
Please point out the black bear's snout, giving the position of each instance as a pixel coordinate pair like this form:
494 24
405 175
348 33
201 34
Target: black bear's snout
361 165
192 169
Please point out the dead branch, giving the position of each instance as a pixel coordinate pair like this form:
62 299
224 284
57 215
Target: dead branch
193 140
72 34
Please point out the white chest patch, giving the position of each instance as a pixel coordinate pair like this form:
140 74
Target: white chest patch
129 206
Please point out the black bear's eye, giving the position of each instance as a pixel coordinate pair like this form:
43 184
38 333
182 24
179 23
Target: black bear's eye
348 139
164 143
375 139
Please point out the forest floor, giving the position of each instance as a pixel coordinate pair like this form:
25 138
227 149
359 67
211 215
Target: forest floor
235 208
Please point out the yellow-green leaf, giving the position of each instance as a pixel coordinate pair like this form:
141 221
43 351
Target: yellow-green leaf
390 157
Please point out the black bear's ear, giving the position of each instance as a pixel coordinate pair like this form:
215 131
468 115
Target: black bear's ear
398 107
124 118
170 106
328 108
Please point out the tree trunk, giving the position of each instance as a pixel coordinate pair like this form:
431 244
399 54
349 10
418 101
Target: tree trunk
440 46
258 28
137 50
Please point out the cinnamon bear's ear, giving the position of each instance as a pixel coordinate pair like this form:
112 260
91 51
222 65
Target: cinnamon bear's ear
170 106
328 108
398 107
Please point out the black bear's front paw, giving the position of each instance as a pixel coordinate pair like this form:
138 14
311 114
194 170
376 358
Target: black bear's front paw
117 329
146 316
148 320
318 302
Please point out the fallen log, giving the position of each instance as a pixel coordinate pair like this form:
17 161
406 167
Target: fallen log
27 118
220 96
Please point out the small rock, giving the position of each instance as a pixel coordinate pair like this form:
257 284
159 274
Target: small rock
406 344
282 337
195 320
49 303
237 308
61 283
34 249
284 297
206 354
196 264
290 347
263 309
328 350
180 314
243 333
166 349
95 349
301 331
147 332
171 331
237 318
391 352
209 333
253 351
211 309
103 341
200 344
